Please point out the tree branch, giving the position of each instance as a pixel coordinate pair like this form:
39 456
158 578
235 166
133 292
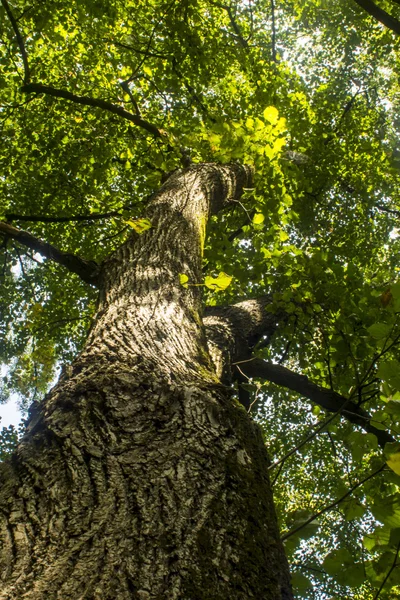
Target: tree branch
236 28
273 35
388 210
44 219
20 40
88 271
234 25
39 88
380 15
232 331
327 399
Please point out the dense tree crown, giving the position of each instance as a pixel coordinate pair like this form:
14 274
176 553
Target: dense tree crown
101 101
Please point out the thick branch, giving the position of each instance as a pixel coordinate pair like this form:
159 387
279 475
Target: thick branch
20 40
87 270
380 15
330 401
232 331
96 102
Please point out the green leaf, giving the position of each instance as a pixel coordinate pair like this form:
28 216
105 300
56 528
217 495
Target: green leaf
387 510
389 371
340 564
219 283
300 583
353 509
336 560
379 538
379 330
395 290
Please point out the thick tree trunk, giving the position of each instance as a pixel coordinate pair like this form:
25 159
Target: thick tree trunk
140 477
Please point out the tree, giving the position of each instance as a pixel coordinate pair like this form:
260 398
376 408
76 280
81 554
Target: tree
218 202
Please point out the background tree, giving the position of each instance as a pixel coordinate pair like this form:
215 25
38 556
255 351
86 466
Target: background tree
298 272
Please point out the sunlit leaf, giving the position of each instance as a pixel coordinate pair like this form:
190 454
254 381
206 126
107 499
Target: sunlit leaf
258 219
183 280
219 283
271 114
139 225
394 462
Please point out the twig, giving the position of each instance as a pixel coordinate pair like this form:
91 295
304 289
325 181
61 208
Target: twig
305 441
4 246
388 573
59 321
285 353
332 505
114 235
277 475
145 55
145 52
21 264
273 36
127 89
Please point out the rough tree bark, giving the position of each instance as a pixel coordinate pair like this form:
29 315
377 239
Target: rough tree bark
140 476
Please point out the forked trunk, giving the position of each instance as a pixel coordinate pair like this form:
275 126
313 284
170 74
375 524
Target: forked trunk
140 477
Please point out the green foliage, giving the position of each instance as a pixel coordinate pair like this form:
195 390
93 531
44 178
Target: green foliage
9 437
313 107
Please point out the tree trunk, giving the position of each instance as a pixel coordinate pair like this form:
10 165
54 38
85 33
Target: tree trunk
140 476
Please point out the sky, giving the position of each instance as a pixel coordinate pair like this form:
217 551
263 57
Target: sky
10 413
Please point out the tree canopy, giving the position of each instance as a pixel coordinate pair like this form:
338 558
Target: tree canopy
101 101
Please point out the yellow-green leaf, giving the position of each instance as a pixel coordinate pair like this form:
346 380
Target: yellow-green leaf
139 225
258 219
278 144
183 280
271 114
218 283
394 462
